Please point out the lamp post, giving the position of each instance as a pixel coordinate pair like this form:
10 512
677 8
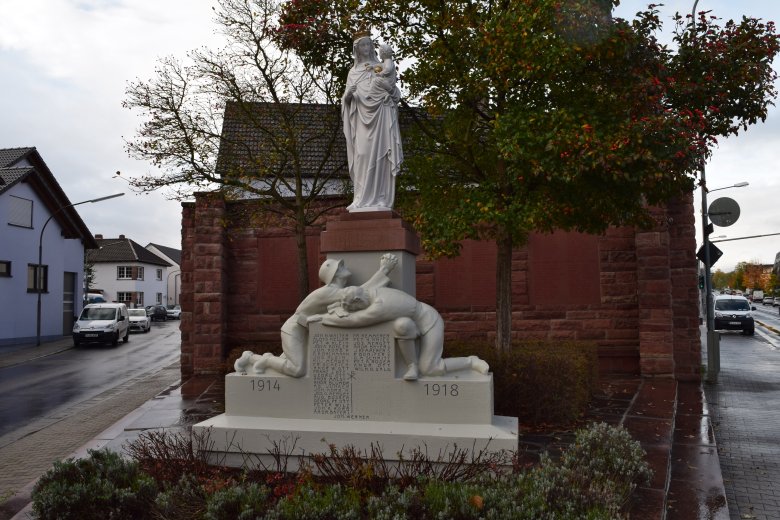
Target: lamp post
713 340
39 267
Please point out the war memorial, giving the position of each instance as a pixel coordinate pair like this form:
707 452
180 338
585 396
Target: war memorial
362 361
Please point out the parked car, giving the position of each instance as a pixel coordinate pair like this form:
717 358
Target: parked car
768 300
734 313
174 312
139 320
102 323
158 313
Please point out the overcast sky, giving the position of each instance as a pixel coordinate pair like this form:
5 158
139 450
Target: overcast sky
64 66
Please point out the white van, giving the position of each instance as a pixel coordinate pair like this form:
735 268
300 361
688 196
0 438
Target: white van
102 323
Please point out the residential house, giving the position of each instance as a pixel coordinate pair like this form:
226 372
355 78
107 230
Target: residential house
37 218
173 279
630 291
126 272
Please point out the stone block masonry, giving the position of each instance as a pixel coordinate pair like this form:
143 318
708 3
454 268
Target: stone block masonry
638 302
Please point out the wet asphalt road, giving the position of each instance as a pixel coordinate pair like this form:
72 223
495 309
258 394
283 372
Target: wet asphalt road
47 387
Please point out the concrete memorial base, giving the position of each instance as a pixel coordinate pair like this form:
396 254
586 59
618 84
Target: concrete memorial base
353 394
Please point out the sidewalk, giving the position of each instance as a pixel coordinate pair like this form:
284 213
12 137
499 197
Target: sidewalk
745 407
670 419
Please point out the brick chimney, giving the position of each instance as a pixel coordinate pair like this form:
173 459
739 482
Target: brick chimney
121 237
98 237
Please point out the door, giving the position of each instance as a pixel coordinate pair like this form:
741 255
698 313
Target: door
68 302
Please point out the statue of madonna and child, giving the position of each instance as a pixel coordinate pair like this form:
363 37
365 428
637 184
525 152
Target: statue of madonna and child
369 111
370 117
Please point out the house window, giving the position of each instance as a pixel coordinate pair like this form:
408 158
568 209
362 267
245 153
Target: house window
139 299
20 211
159 298
126 272
5 268
124 297
159 274
37 278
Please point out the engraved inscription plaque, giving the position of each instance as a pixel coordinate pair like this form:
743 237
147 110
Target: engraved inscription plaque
339 361
371 352
330 374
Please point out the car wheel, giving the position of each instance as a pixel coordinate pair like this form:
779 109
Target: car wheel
749 332
127 336
115 339
76 342
148 328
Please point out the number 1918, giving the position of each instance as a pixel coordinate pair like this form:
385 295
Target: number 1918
441 390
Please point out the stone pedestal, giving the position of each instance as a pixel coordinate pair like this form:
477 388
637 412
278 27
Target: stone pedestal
353 394
360 239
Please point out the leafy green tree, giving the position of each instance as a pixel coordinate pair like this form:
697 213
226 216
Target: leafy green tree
543 115
771 285
720 279
182 108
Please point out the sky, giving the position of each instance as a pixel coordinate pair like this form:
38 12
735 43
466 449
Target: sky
65 65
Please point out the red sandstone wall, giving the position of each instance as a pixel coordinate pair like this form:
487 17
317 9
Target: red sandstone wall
629 292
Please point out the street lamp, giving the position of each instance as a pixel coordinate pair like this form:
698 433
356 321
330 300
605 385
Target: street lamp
737 185
39 267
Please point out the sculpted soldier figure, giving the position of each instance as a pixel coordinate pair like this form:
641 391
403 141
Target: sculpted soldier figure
413 321
295 331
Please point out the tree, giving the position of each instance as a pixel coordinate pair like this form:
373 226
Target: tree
771 284
264 89
720 279
546 115
89 274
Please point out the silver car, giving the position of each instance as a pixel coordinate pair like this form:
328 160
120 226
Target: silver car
139 320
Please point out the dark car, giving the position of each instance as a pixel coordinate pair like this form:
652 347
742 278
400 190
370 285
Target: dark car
157 312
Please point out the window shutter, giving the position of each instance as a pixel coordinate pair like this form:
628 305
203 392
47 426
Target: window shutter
134 276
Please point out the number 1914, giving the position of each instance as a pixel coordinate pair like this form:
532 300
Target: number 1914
265 385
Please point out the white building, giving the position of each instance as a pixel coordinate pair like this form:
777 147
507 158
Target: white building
173 282
126 272
34 210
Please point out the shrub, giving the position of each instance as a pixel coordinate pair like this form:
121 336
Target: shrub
312 502
239 503
597 474
184 499
101 486
539 381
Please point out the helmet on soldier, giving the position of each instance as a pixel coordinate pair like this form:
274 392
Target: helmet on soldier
328 270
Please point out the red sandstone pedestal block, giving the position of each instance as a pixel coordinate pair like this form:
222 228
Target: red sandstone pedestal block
361 238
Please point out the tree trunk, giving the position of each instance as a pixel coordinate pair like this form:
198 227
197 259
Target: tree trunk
303 258
504 293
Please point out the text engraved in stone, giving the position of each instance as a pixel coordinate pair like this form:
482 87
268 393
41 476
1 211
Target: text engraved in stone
371 352
331 375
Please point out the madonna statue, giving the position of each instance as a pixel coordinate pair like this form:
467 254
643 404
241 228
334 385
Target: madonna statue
369 111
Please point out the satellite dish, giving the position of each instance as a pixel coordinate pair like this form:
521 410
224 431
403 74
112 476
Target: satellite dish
723 212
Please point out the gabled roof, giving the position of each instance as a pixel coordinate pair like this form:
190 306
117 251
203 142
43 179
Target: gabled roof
26 165
258 135
173 254
113 250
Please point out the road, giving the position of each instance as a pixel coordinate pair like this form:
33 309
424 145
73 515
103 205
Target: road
745 411
45 387
51 406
